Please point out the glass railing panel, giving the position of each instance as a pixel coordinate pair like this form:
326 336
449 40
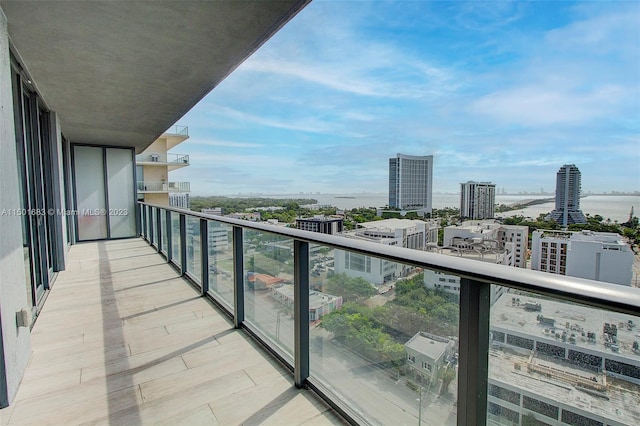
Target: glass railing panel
194 263
268 286
556 362
176 254
383 337
221 261
163 224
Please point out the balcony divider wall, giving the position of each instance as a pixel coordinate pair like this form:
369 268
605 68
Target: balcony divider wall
255 248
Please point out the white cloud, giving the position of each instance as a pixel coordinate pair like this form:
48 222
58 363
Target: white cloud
221 143
540 105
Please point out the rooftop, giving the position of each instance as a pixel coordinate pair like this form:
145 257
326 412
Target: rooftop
393 223
428 344
123 339
557 383
509 315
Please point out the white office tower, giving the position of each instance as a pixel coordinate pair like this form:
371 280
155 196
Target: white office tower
410 182
477 200
600 256
567 211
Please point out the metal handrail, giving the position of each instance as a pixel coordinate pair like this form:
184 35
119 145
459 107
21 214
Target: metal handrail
178 130
593 293
163 186
169 159
474 307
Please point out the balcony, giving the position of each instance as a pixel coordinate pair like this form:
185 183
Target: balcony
162 187
123 339
210 319
538 352
173 161
178 130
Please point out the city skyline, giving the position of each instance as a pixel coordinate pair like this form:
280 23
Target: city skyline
500 92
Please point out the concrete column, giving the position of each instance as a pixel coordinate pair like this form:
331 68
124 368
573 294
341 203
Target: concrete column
15 342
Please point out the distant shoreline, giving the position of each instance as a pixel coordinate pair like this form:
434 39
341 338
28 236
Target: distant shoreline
355 195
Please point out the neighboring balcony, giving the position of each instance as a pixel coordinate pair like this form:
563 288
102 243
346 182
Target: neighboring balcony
162 187
172 161
178 130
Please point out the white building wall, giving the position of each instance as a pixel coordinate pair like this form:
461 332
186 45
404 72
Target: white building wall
592 255
600 262
374 270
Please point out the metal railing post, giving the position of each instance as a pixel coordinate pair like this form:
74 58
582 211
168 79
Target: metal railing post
238 277
143 222
473 362
152 237
301 311
168 232
159 229
183 244
204 255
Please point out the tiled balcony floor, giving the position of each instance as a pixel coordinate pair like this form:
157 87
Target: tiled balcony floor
122 339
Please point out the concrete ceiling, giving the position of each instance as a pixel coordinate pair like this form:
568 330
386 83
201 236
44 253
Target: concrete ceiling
121 73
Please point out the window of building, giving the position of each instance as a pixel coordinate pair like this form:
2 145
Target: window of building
504 394
541 407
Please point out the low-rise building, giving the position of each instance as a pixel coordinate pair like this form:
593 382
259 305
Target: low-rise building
487 241
320 304
263 281
414 234
252 216
427 355
506 243
600 256
321 223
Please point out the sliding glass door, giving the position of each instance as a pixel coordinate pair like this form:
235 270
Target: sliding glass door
32 146
104 192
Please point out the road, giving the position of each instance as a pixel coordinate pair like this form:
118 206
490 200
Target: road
365 386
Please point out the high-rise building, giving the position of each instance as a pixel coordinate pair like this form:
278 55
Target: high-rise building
410 182
153 166
567 209
477 200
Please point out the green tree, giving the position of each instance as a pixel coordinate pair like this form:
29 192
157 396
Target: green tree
351 289
447 375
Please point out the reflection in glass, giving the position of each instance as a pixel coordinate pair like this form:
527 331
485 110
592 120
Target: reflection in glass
382 341
552 361
268 261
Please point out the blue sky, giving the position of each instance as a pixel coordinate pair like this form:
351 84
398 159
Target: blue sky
505 92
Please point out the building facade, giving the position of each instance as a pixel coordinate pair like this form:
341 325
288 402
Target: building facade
568 190
153 166
477 200
600 256
321 224
486 241
411 182
414 234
